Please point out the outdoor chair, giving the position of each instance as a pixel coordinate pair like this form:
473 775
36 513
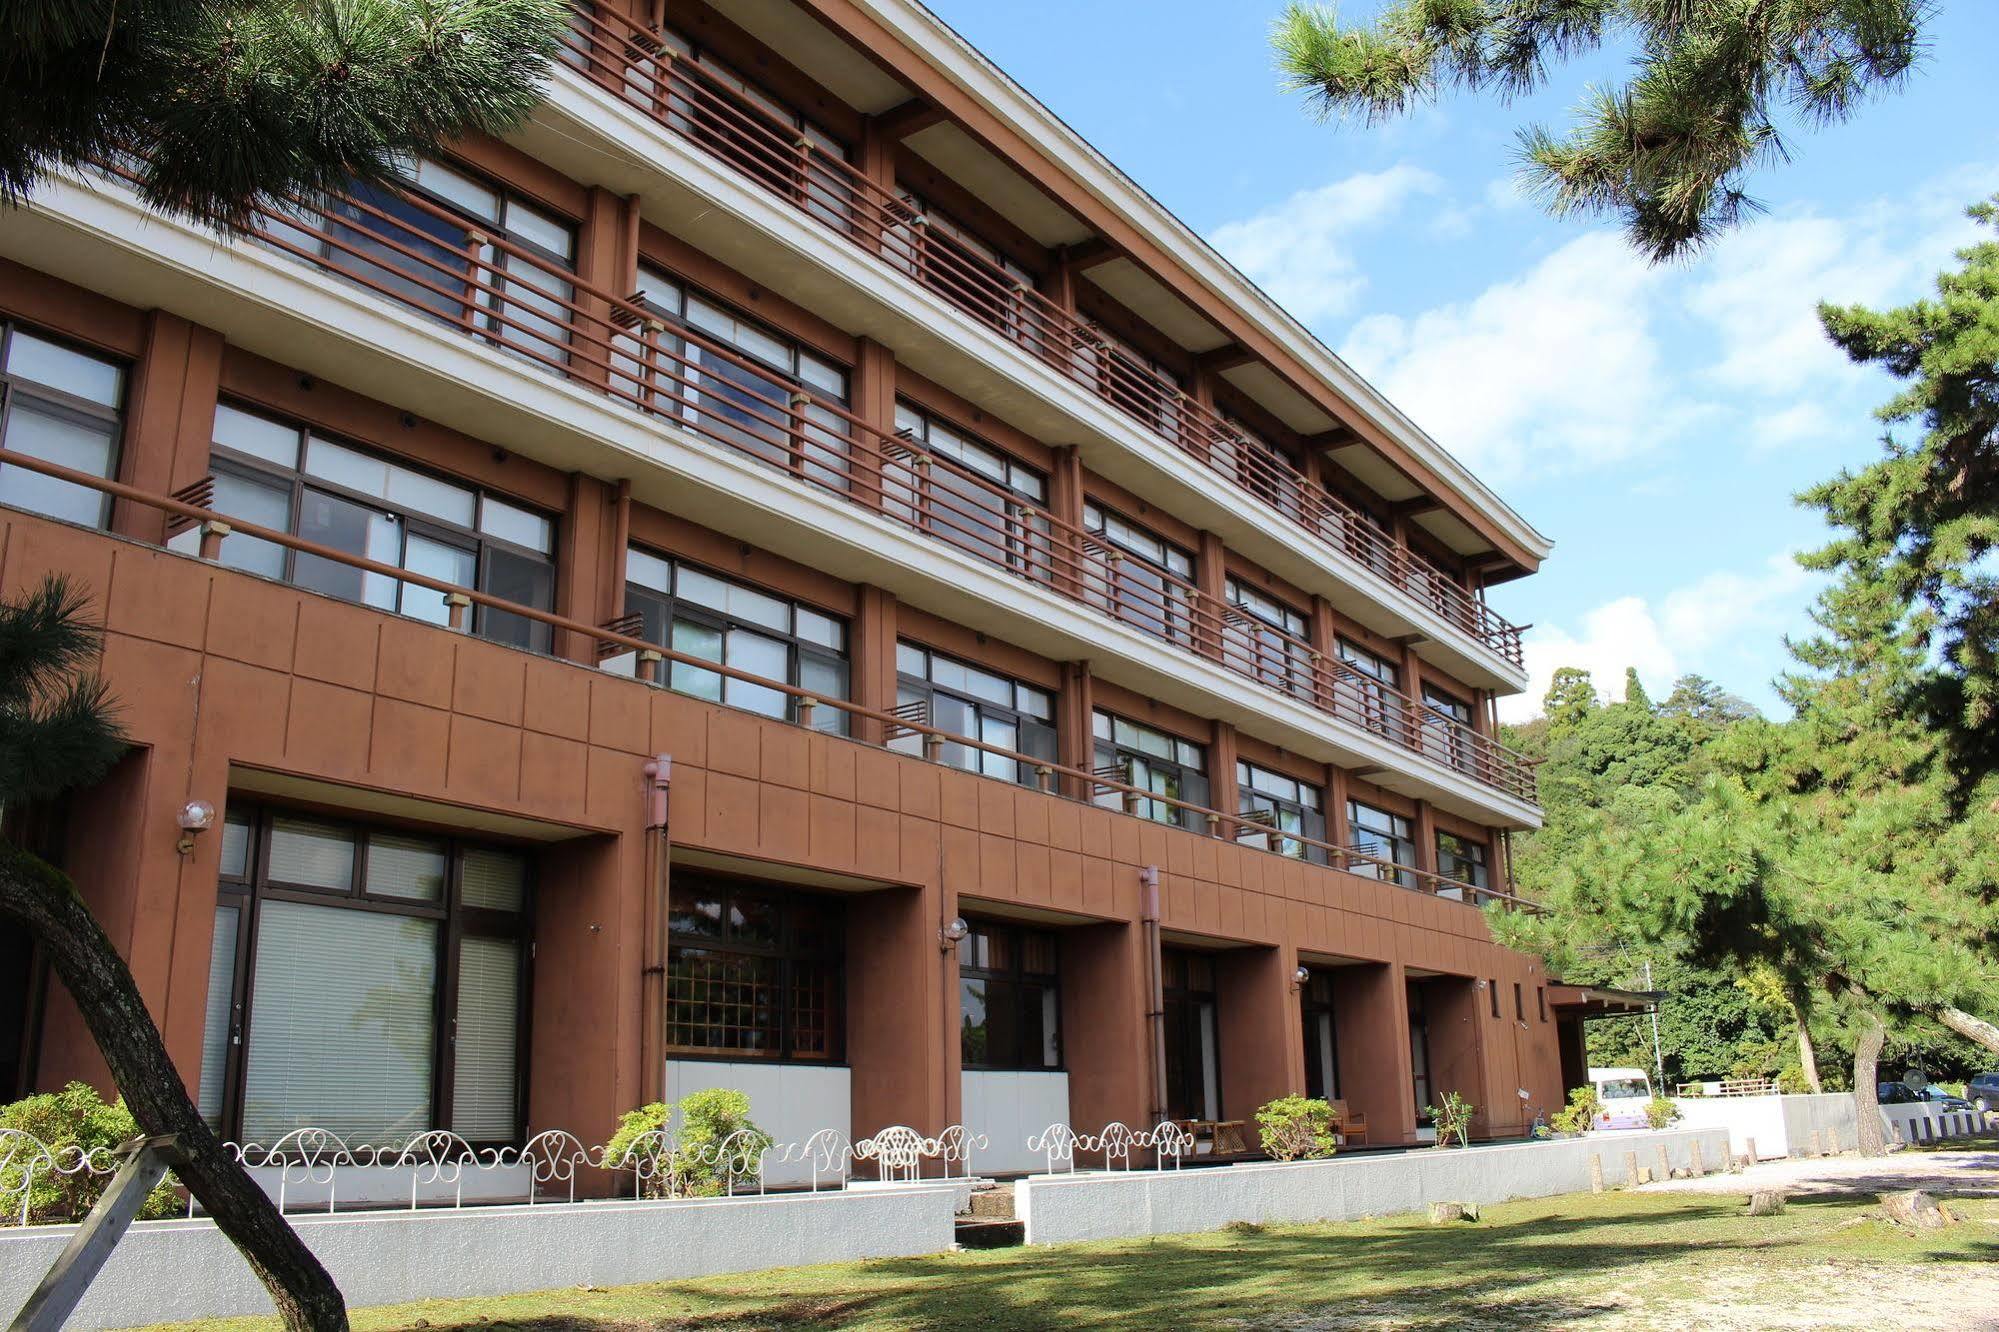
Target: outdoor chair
1350 1126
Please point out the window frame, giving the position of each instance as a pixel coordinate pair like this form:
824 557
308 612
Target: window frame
1446 718
1202 1004
1169 619
1481 878
1289 640
1026 545
1378 681
456 921
1317 1004
1310 814
1400 833
61 403
924 688
227 460
787 902
1103 740
1020 978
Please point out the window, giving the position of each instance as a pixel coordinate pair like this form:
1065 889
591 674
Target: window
1322 1048
688 609
1009 1000
276 475
1375 680
966 700
1541 1000
1152 761
765 394
977 277
1376 832
428 257
60 405
970 494
1259 467
1137 576
1267 640
1284 804
1492 993
1519 1003
366 980
1137 384
1446 726
1419 1051
1193 1062
754 971
1463 860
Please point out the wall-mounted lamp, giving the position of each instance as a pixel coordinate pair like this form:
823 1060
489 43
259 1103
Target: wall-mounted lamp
1479 986
1299 976
956 929
196 816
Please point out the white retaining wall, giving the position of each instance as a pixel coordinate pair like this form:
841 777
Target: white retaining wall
790 1102
1783 1125
1010 1108
1929 1123
181 1270
1101 1205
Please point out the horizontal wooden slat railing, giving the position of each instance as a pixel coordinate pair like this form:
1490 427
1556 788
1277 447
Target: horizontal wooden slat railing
1097 787
640 66
493 291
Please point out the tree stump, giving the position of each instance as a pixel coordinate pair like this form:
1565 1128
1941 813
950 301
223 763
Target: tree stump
1917 1210
1443 1213
1766 1202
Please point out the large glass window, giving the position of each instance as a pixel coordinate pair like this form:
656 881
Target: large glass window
1376 681
976 703
1193 1058
688 609
1322 1044
1009 1000
1285 805
1138 576
277 475
1260 467
1446 722
967 270
964 491
1153 761
1137 383
770 397
1267 640
1390 837
754 971
1463 860
365 980
60 405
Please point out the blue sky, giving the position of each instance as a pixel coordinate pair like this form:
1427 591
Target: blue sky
1655 422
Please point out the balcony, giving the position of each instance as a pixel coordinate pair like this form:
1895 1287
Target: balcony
207 532
639 69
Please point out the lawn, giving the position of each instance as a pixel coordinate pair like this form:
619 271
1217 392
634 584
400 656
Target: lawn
1616 1261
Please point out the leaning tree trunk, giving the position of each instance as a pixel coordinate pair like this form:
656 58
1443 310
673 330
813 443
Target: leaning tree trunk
1971 1028
47 906
1808 1058
1872 1137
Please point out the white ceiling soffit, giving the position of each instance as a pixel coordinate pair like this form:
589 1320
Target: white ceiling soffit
1375 472
1283 401
1453 531
1148 298
367 800
956 59
833 64
997 185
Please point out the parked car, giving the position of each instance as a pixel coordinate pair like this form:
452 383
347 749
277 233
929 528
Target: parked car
1895 1093
1983 1091
1943 1100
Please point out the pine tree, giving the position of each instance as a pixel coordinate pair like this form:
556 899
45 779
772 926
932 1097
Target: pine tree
1669 150
227 103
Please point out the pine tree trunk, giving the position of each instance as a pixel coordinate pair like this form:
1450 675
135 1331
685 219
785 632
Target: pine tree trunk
1873 1138
1808 1058
45 903
1971 1028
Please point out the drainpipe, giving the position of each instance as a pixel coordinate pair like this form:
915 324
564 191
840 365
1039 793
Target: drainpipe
1155 992
652 983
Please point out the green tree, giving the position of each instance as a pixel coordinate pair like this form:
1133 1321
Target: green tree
58 731
232 102
1713 85
1918 526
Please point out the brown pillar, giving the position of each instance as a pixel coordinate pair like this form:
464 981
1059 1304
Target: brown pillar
1371 1011
874 403
895 1045
170 419
873 683
1222 791
1337 831
1459 1014
1211 580
1075 741
1104 1032
1065 501
1426 837
584 1058
602 265
590 567
1256 1021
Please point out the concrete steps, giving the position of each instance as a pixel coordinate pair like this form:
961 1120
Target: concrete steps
990 1223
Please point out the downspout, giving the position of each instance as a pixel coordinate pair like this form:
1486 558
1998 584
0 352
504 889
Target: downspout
1155 992
652 983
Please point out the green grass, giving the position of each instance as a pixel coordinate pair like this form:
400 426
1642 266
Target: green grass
1550 1262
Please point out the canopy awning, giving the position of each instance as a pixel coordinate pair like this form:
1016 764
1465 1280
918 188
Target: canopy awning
1591 1001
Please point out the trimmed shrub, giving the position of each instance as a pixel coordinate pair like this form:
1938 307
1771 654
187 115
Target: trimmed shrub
707 1118
75 1119
1295 1127
1659 1112
1452 1119
1579 1115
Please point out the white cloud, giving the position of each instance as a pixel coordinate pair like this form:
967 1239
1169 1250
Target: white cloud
1704 626
1557 367
1297 250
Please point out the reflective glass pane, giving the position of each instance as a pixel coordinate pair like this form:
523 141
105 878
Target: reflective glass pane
356 529
523 528
244 432
253 500
495 880
442 561
78 373
411 868
71 441
427 494
313 854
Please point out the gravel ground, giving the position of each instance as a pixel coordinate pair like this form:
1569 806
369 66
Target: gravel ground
1966 1173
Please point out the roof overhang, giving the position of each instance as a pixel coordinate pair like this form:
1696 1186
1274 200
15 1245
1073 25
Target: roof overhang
1593 1001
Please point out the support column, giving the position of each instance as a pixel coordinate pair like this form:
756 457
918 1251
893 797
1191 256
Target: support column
895 1035
1223 793
1211 580
1065 501
874 403
590 568
1371 1009
1256 1019
1104 1032
873 682
1426 837
601 265
1337 831
1459 1014
169 420
1075 741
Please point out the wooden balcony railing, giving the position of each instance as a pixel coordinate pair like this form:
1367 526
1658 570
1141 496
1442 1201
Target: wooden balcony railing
638 65
1054 779
426 258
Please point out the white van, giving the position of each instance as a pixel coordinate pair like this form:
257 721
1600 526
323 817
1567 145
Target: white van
1622 1095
